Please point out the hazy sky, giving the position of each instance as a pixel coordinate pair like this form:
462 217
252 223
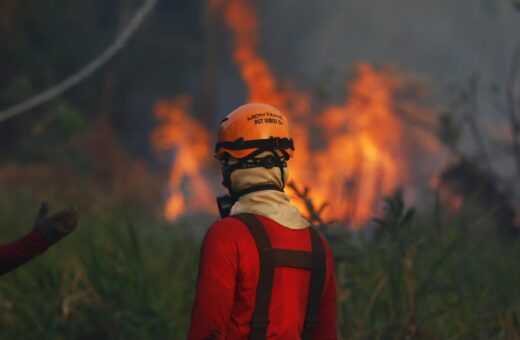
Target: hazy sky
444 40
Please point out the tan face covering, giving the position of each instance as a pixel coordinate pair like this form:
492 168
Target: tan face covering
273 204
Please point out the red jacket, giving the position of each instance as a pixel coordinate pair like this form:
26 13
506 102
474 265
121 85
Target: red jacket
228 277
16 253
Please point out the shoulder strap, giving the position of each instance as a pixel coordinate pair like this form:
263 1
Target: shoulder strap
318 272
260 320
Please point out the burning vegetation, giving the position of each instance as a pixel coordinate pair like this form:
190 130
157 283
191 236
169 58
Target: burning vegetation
444 271
189 185
350 154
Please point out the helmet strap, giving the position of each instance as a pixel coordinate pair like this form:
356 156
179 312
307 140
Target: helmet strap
250 161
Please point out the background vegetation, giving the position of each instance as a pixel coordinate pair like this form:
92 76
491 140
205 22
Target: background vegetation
127 273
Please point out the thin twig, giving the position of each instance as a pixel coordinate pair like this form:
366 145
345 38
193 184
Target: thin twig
417 123
471 113
511 104
315 215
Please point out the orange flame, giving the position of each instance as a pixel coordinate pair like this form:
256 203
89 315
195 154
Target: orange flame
240 17
364 148
191 142
362 156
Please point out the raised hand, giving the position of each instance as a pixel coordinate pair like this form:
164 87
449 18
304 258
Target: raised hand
56 226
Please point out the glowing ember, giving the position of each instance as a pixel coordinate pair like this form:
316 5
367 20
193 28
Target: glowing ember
362 149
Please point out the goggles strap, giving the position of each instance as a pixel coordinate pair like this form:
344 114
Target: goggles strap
266 144
249 162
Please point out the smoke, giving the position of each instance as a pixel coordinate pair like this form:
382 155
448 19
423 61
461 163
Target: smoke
442 39
302 41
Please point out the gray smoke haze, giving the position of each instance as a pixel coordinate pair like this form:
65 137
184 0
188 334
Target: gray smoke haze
443 40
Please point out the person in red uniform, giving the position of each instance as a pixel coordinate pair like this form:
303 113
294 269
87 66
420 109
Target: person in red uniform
47 231
264 272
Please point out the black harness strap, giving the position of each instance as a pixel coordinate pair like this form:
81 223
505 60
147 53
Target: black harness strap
319 269
260 320
270 258
293 258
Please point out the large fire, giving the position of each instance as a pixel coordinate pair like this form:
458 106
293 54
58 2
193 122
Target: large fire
361 154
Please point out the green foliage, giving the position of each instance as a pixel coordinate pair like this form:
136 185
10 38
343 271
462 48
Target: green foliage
427 279
128 276
111 279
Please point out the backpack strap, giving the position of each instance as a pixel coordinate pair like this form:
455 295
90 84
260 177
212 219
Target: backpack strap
318 273
260 320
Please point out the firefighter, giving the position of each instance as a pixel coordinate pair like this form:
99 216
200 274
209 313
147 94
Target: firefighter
264 272
47 231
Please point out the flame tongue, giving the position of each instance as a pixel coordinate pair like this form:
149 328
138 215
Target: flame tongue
364 147
191 142
363 153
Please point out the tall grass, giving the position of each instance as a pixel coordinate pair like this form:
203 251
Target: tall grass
127 275
427 278
110 279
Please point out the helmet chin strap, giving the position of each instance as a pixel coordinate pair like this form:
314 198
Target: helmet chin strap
268 162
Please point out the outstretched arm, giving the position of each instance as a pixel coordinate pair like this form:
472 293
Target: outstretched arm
47 231
16 253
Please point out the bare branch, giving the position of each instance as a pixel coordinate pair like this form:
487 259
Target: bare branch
314 215
417 123
86 71
471 113
511 104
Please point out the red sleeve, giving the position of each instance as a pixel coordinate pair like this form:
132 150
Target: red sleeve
16 253
327 329
215 284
